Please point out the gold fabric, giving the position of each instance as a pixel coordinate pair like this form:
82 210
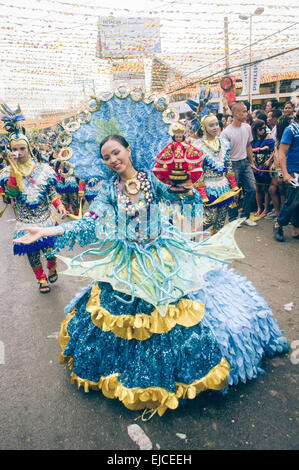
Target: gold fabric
18 170
223 197
153 397
213 144
141 326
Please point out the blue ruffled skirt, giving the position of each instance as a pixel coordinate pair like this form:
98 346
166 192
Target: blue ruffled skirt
155 363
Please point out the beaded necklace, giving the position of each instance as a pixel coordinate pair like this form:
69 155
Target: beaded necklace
145 186
215 159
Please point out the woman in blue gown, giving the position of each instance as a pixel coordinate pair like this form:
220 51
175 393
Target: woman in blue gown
163 318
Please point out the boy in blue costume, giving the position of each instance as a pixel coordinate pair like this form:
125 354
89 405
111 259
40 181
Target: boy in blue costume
30 187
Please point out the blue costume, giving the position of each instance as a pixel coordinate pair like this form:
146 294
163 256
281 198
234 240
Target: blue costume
163 318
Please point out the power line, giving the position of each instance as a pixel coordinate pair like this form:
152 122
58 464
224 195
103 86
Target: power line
233 68
240 50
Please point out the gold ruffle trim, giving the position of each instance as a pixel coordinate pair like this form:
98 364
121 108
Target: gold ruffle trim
141 326
153 397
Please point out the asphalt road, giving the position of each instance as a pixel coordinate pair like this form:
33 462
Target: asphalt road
40 409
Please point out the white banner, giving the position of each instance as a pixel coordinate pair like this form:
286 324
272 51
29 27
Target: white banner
121 38
255 79
245 79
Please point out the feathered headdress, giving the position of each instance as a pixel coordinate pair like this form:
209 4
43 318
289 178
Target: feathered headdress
138 117
12 119
202 108
13 127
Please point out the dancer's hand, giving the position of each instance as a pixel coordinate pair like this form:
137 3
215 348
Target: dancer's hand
62 211
13 157
287 177
36 233
188 185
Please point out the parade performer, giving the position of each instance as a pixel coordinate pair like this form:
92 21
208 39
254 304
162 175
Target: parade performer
30 187
163 318
70 188
91 188
217 185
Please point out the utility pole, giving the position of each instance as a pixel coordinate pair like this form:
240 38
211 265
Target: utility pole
87 85
226 45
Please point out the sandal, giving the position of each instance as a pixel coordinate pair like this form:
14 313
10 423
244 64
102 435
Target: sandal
44 287
53 277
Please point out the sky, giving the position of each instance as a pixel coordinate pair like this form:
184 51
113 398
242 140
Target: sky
48 49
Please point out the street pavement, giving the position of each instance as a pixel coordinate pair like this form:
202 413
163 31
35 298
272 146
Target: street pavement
41 410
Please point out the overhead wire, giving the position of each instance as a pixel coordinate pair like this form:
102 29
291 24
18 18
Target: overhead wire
233 68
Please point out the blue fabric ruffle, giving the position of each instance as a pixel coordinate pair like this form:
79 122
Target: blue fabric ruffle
241 321
181 355
238 325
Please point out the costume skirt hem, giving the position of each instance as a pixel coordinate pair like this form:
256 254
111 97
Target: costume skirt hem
152 397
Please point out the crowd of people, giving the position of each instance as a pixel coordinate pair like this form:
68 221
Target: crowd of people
264 151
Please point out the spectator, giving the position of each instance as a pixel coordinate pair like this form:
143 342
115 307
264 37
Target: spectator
189 115
271 105
277 188
288 108
272 119
249 119
229 120
254 113
226 109
247 104
263 116
239 134
289 160
262 147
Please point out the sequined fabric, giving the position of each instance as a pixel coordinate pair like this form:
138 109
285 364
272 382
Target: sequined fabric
33 207
182 355
238 326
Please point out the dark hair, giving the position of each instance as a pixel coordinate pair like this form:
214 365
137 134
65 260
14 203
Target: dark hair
282 123
189 114
173 138
247 104
276 113
275 104
257 124
289 102
199 132
261 115
250 119
118 138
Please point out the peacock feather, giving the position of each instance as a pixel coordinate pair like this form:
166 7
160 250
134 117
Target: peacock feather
104 128
140 122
